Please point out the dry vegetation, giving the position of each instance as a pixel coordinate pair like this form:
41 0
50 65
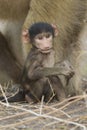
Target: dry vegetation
67 115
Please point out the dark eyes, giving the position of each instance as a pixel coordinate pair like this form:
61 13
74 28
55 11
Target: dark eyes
48 35
40 37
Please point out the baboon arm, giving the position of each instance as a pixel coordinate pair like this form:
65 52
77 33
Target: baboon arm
39 72
34 70
55 71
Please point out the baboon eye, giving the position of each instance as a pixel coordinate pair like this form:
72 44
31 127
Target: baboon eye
40 37
48 35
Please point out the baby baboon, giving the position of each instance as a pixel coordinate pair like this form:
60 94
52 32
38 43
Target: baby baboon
35 81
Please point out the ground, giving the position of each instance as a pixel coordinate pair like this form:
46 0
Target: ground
66 115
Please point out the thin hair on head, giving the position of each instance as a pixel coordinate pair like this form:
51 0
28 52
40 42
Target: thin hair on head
40 27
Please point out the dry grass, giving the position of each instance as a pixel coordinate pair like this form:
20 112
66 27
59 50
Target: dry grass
70 114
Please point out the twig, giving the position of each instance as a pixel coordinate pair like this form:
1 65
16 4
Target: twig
4 96
52 123
65 114
53 94
41 105
65 121
85 98
45 116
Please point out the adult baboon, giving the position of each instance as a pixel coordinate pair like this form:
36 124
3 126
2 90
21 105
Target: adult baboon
12 17
8 66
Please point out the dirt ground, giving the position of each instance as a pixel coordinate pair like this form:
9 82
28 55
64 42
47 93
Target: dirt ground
66 115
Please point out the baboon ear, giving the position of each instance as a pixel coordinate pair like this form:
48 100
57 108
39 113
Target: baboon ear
55 30
25 36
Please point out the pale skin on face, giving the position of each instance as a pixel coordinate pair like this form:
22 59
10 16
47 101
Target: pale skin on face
44 42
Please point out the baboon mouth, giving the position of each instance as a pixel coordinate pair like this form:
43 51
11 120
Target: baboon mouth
46 51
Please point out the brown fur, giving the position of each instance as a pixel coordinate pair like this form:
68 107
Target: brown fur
14 10
68 15
9 70
33 81
12 16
